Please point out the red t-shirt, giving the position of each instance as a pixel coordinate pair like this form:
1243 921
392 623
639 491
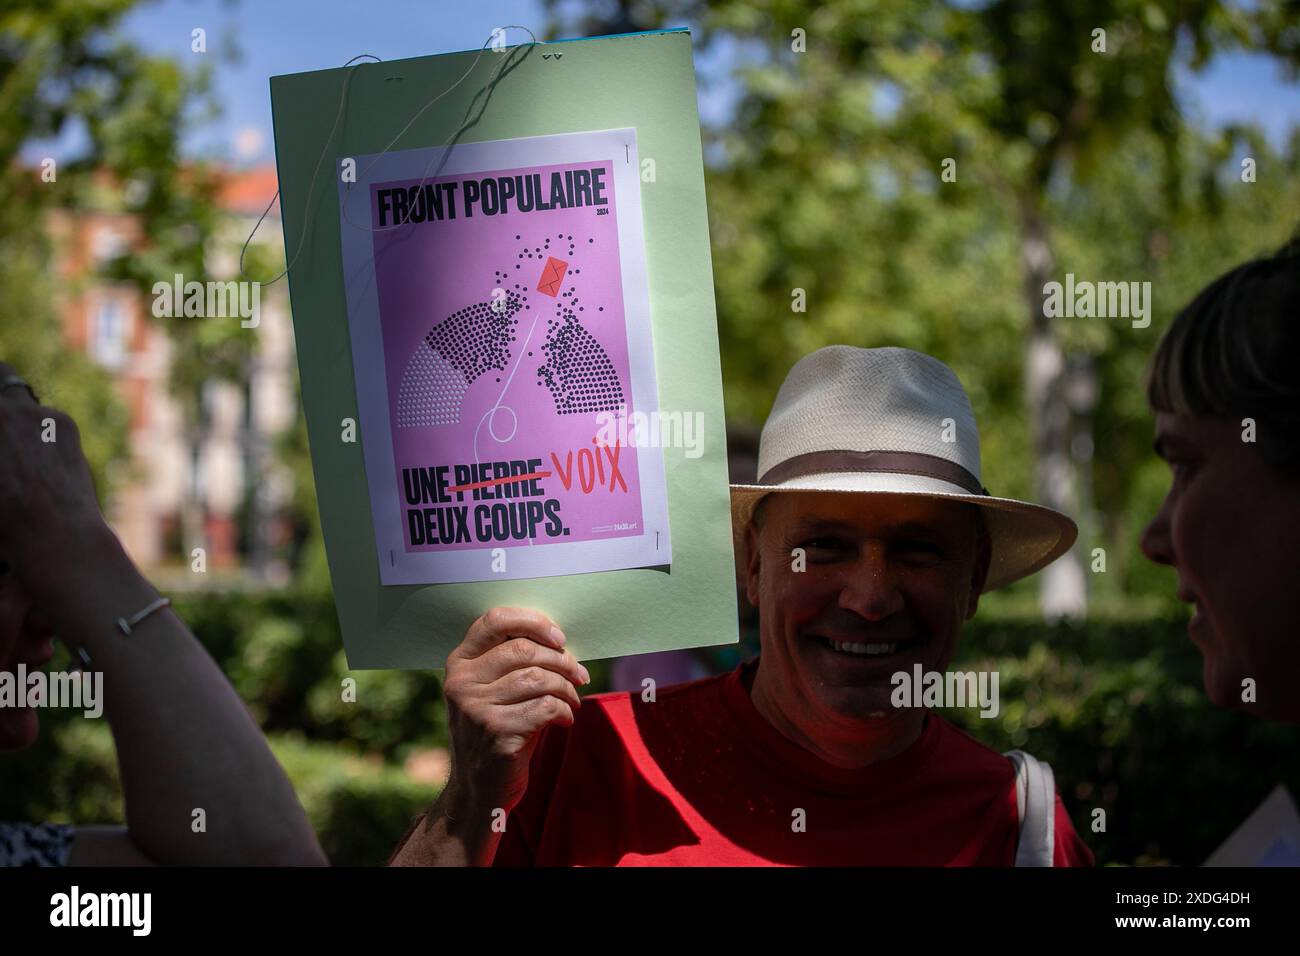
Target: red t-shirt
700 778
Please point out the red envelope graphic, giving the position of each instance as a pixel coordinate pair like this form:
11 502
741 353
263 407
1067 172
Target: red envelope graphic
552 276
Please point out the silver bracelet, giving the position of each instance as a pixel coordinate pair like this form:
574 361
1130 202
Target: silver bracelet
125 626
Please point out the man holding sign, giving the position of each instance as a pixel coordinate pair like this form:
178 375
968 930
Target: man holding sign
868 538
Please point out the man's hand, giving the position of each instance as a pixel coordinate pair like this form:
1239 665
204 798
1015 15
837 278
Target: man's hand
506 681
509 678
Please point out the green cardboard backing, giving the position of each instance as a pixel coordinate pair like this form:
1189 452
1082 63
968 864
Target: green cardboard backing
646 81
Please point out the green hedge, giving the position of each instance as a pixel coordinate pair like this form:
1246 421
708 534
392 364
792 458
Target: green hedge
358 805
1116 707
1119 711
284 655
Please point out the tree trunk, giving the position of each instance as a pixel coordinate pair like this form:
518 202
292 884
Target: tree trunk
193 532
1062 585
256 516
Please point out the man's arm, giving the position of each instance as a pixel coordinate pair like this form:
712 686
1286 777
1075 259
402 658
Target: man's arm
450 833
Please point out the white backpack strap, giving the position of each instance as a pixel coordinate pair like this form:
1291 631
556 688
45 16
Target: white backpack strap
1036 807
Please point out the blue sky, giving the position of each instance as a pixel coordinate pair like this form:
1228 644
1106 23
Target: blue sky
289 36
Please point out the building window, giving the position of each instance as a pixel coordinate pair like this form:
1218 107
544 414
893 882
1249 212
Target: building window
110 333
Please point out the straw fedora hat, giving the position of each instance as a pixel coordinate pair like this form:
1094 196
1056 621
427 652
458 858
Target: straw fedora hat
892 421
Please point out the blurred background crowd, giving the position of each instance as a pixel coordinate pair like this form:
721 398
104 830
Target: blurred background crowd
1168 155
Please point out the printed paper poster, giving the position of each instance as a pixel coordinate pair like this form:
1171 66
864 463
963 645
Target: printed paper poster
499 315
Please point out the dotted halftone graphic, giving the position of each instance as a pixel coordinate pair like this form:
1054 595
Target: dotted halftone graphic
577 371
431 392
459 349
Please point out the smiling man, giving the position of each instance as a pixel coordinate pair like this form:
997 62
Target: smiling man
868 540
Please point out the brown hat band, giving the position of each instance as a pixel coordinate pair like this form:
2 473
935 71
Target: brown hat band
889 462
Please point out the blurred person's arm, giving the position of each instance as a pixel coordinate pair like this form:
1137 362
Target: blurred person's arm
185 742
508 680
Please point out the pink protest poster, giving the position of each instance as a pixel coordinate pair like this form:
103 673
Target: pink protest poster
499 318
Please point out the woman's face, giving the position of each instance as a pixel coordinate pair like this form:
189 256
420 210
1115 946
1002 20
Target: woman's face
1230 527
25 639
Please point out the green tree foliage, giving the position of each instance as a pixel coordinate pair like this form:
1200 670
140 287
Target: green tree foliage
48 57
67 77
829 178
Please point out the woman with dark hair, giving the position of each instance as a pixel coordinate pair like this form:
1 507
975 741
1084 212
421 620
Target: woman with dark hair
187 749
1225 389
